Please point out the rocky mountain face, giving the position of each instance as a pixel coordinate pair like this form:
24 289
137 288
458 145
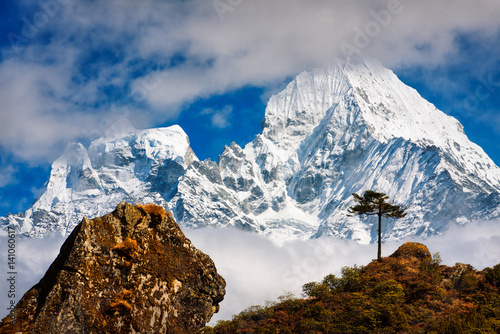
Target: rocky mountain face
331 132
130 271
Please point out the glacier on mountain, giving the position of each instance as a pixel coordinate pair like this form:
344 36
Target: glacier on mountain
331 132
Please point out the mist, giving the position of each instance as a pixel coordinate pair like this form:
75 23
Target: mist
257 270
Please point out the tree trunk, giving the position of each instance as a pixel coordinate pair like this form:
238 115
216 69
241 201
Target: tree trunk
379 254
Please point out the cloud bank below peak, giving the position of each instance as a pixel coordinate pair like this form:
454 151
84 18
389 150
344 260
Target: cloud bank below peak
257 270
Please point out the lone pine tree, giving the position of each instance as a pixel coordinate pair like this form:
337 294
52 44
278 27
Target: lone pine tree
375 203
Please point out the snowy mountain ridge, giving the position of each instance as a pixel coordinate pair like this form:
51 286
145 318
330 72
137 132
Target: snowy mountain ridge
331 132
124 165
339 130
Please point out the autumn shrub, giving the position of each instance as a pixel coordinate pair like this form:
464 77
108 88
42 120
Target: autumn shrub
289 303
429 267
317 312
254 313
492 275
419 290
408 293
315 290
471 323
310 325
466 281
389 292
491 305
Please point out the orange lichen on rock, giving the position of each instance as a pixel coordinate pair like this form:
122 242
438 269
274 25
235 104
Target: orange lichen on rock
124 294
128 248
120 307
153 210
155 213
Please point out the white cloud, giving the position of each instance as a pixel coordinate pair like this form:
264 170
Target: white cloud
477 244
32 259
260 42
219 118
7 175
257 270
30 120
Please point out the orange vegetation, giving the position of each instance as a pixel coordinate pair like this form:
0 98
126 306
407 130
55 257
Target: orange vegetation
408 292
153 209
128 248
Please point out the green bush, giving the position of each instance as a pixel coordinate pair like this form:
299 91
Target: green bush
315 290
351 280
332 282
492 275
467 281
389 292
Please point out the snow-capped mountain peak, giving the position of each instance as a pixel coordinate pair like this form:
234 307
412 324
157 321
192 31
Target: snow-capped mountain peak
334 131
346 128
124 165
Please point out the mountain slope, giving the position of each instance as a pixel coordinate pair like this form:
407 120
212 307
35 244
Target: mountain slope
408 292
331 132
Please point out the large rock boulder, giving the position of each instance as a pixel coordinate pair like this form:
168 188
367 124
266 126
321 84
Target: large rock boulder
130 271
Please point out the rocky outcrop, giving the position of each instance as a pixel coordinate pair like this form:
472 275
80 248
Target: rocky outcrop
130 271
412 250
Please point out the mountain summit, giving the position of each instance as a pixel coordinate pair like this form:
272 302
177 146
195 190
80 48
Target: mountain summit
331 132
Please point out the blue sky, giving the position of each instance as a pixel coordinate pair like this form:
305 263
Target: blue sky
69 68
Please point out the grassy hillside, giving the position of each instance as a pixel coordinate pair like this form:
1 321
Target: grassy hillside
408 292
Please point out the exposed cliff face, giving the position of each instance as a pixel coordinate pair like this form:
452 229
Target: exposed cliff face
130 271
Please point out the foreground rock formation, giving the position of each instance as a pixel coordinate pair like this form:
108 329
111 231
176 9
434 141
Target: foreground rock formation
130 271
